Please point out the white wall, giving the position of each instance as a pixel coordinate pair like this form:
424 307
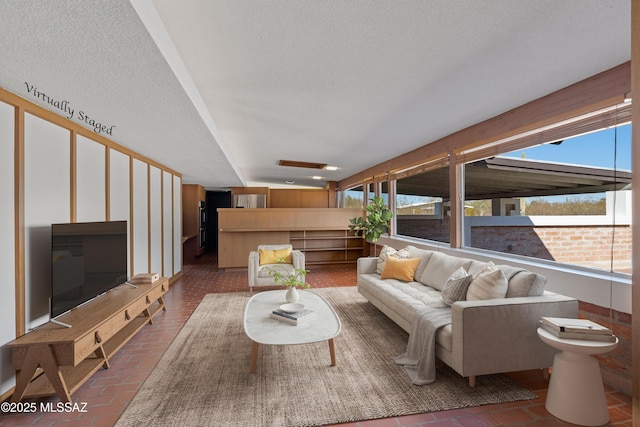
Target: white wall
155 217
140 218
90 180
7 243
47 200
105 182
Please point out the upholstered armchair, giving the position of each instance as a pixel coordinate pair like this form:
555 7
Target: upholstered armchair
266 258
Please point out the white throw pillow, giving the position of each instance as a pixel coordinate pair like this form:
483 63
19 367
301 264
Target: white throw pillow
488 283
455 288
388 251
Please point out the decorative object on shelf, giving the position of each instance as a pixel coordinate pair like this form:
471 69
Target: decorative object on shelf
375 223
291 280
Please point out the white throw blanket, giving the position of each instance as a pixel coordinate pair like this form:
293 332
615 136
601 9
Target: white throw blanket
420 359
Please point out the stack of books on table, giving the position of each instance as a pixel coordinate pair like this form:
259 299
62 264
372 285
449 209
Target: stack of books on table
576 329
292 318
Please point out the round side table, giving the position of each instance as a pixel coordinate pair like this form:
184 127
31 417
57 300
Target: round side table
576 393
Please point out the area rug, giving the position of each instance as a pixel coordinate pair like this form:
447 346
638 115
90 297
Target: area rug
203 379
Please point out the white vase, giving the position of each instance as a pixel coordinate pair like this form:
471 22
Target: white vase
292 294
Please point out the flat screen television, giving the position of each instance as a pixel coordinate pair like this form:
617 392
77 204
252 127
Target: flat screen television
87 260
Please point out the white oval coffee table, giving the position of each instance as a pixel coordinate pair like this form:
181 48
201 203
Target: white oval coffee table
324 325
576 393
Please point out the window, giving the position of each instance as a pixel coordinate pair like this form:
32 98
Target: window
353 197
422 205
568 201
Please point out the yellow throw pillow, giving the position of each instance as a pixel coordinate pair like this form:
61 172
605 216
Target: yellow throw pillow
401 269
271 256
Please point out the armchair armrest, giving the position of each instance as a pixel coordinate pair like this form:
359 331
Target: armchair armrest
254 263
367 265
297 257
500 335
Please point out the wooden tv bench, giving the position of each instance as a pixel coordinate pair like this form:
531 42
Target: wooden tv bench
54 359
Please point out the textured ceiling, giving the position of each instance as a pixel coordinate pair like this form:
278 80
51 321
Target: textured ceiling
220 90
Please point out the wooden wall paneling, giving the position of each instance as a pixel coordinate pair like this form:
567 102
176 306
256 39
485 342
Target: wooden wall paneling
177 224
155 217
284 198
119 188
314 199
167 224
90 180
140 217
47 180
7 245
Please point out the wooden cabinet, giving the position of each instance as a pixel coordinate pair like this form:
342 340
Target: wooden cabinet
54 359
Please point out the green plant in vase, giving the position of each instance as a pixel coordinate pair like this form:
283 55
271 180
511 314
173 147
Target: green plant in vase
289 279
375 223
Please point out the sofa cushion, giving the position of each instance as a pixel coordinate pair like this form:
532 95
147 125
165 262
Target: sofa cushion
455 288
440 267
400 269
423 254
523 283
489 283
386 252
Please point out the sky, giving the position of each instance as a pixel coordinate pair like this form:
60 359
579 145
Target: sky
594 149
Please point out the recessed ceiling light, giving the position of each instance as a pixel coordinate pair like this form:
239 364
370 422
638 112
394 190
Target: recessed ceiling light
290 182
316 177
331 168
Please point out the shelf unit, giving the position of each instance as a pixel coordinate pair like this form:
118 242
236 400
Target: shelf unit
55 360
328 246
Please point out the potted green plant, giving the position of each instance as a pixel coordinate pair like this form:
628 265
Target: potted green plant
375 223
289 279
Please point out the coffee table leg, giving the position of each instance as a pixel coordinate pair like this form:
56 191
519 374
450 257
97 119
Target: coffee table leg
254 356
332 351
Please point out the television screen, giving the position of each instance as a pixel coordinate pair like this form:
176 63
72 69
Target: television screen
87 259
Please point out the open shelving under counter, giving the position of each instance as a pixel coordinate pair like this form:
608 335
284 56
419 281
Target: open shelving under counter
327 246
56 360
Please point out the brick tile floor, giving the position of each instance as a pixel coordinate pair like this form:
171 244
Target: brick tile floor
108 392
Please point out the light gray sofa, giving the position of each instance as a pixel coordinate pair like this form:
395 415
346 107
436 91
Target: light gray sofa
485 336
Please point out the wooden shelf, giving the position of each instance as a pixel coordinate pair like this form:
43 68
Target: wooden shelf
69 356
328 246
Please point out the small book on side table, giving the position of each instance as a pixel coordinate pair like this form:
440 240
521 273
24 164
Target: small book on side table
577 329
292 318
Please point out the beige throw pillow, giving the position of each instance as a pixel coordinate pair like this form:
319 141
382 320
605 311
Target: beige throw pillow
455 288
388 251
489 283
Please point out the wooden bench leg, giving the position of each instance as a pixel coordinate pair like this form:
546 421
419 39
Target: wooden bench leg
41 355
